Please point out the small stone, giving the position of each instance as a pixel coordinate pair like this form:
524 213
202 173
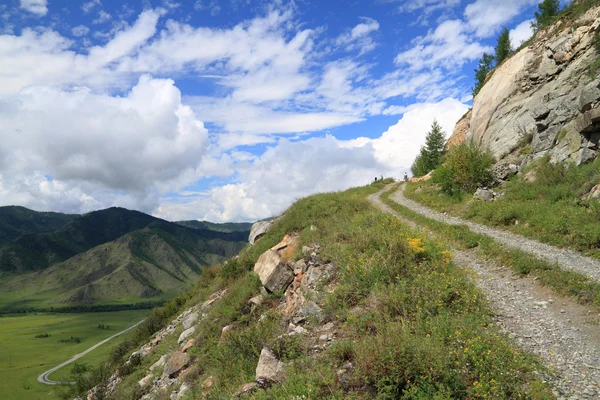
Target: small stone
188 345
185 334
247 388
145 381
161 361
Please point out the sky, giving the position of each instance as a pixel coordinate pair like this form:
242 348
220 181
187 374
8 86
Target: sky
228 110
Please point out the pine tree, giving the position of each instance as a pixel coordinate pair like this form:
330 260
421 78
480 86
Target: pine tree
432 153
504 47
548 9
418 168
434 146
485 66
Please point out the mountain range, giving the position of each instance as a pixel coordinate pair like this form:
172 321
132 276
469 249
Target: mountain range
108 257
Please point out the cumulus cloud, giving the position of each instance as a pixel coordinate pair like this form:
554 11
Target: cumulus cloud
139 143
486 17
521 33
38 7
291 170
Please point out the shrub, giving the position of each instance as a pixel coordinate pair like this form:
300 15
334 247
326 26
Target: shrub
468 166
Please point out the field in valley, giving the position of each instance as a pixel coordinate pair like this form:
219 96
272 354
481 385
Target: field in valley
23 356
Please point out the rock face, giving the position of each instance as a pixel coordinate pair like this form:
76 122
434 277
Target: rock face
543 95
272 268
259 229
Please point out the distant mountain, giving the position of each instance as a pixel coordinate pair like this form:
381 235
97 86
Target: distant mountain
227 227
16 221
112 256
37 251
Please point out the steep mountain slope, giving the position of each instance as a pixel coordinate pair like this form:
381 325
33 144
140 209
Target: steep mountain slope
16 221
149 264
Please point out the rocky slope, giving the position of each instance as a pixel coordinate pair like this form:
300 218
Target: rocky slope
545 96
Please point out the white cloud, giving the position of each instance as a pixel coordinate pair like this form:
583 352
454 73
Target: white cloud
486 17
80 30
291 170
399 145
358 38
426 6
103 17
87 7
448 46
38 7
99 145
521 33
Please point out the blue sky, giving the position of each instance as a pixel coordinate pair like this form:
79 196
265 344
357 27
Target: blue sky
228 110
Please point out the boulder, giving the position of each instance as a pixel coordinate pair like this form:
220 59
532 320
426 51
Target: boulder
269 367
185 334
484 195
161 361
259 229
593 194
190 320
177 362
273 272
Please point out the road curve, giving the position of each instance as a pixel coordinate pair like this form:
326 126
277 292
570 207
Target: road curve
43 378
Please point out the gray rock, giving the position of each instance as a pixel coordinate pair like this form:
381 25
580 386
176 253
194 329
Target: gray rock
484 195
145 381
185 334
589 95
161 361
300 267
273 272
190 320
259 229
175 364
269 367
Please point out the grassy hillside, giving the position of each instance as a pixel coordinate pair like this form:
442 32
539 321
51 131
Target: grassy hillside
16 221
150 264
546 202
410 322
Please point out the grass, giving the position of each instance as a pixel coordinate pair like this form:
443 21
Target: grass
550 209
23 357
566 283
412 323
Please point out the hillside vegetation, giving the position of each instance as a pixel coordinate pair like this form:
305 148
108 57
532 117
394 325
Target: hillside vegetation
408 322
16 221
113 257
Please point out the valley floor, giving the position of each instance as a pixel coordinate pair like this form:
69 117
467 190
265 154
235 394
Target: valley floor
23 356
560 331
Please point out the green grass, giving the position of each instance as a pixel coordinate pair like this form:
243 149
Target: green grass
413 324
23 357
549 209
566 283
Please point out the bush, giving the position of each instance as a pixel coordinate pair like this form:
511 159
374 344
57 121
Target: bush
468 166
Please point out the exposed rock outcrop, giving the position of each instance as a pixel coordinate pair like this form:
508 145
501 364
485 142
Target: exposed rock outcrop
259 229
274 272
544 96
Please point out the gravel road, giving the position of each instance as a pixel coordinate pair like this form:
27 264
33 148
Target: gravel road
562 333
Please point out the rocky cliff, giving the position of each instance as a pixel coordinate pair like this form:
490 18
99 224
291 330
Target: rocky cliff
546 96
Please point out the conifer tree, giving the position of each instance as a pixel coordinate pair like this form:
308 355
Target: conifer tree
504 47
548 9
432 153
485 66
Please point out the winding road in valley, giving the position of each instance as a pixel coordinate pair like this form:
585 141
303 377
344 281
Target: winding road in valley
43 378
561 332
